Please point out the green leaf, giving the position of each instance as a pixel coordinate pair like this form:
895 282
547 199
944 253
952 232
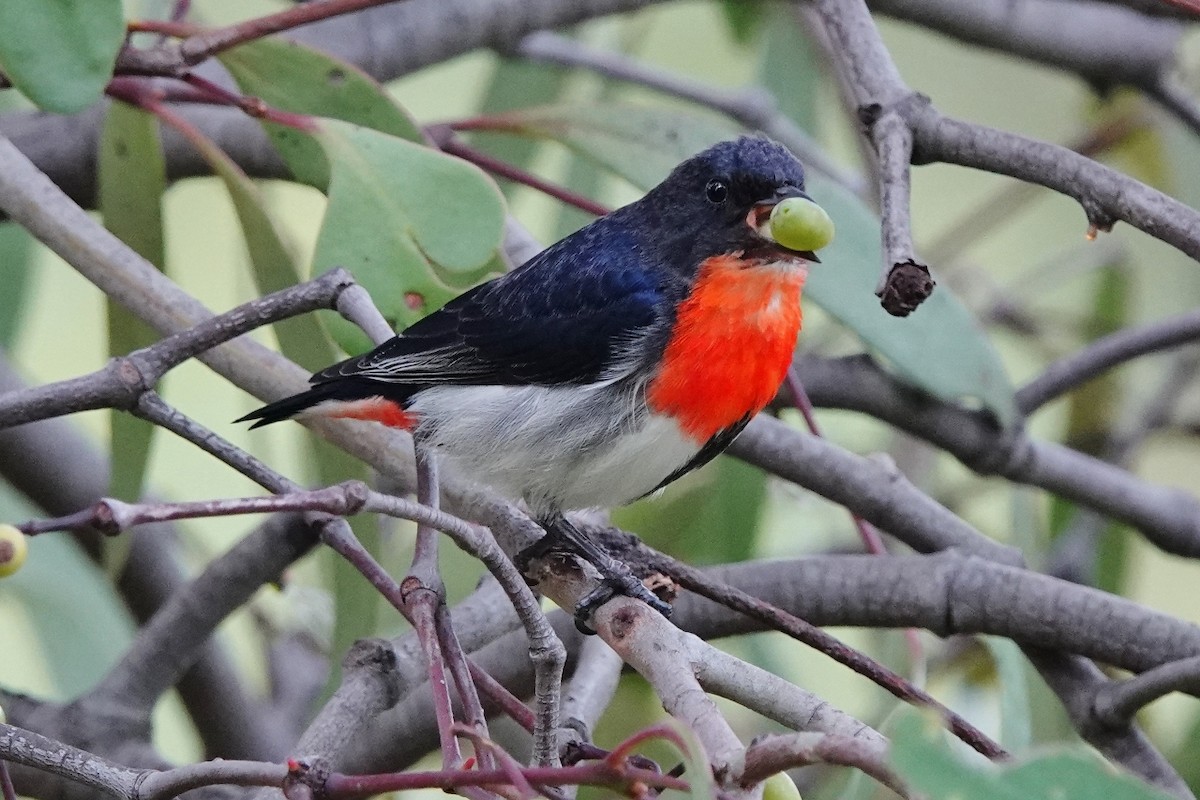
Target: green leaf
1187 755
744 17
293 77
1077 776
275 266
710 517
60 53
15 270
406 220
939 348
357 604
641 144
1016 725
132 179
61 619
517 83
701 785
923 758
792 67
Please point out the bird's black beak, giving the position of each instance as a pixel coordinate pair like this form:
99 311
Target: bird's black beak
760 213
781 194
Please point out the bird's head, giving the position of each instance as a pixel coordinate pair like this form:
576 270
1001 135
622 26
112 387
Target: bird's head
721 201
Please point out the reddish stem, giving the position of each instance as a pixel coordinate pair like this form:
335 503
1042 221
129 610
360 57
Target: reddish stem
597 773
502 697
464 681
872 541
507 763
145 94
7 791
1192 6
869 534
180 10
200 46
416 603
619 757
443 136
172 27
731 597
253 106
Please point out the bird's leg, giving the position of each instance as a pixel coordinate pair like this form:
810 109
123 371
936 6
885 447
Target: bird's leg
615 576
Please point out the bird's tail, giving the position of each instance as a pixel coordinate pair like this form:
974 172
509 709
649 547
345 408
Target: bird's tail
289 407
347 398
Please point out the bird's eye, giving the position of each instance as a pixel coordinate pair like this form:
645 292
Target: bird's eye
716 191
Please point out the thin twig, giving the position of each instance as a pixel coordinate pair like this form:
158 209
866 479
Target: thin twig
444 136
904 283
424 593
1117 702
356 305
464 679
348 498
868 533
1167 92
754 108
171 58
7 791
505 700
776 699
1168 517
664 656
777 753
1105 353
600 773
704 585
171 783
592 686
120 382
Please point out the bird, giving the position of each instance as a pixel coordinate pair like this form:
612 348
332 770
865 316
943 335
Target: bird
624 356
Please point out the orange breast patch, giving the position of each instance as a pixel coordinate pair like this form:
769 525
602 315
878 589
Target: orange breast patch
732 344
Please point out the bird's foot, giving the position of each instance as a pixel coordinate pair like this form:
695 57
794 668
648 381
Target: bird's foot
614 585
534 552
616 579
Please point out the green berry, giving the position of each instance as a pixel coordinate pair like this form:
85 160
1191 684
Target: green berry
13 549
798 223
780 786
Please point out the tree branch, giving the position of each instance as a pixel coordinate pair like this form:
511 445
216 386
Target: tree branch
1117 702
773 754
1105 353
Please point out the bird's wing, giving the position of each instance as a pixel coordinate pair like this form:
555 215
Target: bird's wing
711 449
554 321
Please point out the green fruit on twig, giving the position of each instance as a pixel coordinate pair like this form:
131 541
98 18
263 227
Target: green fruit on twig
780 786
13 549
798 223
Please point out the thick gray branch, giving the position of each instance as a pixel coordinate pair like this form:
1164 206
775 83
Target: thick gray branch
1103 43
1168 517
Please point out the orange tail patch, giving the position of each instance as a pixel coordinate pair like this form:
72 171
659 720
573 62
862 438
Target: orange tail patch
373 409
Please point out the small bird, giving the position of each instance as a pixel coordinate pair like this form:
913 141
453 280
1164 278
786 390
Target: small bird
617 360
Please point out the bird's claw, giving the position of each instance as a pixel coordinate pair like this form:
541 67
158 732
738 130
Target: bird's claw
612 586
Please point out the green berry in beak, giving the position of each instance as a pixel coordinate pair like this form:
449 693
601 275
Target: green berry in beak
798 223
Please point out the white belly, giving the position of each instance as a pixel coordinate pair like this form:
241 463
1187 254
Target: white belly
555 447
